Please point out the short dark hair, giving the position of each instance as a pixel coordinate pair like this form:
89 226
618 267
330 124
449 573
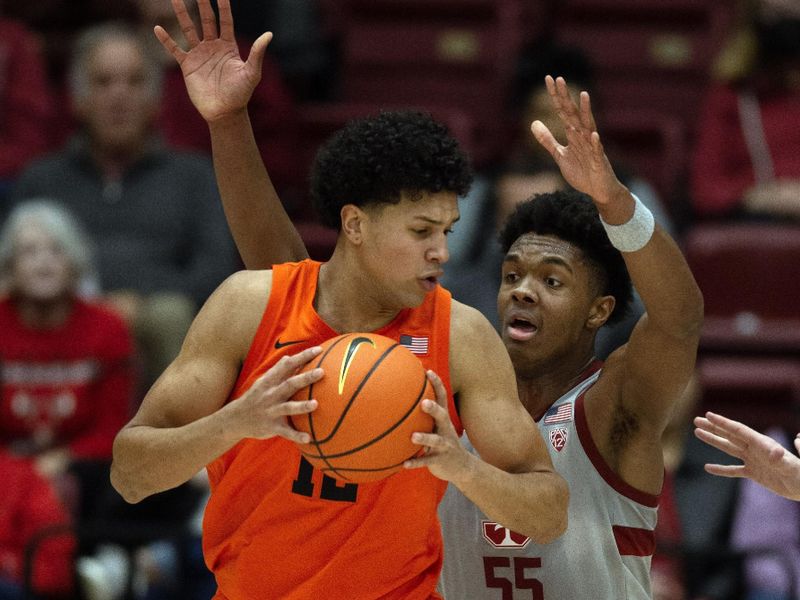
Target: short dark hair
572 216
376 159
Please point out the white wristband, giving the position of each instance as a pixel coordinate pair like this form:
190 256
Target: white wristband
635 233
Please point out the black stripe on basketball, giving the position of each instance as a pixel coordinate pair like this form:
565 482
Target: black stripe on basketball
338 470
318 443
352 399
319 362
377 437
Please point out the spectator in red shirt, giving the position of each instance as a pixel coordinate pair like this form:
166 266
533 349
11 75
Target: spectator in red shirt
32 507
26 103
66 374
747 159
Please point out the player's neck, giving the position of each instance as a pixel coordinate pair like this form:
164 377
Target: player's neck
540 392
345 303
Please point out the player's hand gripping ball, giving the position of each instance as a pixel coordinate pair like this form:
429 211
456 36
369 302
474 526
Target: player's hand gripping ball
368 407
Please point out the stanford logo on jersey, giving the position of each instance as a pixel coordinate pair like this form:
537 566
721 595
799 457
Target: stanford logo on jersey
502 537
558 438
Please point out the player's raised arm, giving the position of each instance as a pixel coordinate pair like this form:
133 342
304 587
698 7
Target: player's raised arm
660 357
220 85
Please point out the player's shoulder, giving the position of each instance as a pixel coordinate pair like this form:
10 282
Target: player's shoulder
474 342
468 324
236 306
243 287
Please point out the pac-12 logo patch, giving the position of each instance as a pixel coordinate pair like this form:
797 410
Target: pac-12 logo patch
558 438
502 537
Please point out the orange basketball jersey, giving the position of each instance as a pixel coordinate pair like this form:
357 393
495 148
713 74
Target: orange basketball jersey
277 528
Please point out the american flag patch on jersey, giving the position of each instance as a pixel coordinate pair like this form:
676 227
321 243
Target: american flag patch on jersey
417 344
558 414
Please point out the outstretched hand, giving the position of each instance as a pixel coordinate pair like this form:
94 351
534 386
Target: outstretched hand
219 82
583 161
765 461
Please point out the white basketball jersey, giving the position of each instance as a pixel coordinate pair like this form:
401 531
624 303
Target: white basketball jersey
604 554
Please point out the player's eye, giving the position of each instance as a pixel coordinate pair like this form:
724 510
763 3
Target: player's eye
552 282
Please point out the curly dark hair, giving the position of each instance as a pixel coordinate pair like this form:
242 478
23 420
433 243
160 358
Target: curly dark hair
572 216
374 160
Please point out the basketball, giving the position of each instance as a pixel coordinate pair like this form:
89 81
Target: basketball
368 407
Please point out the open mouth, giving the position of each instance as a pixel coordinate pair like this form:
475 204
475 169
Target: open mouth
521 329
429 283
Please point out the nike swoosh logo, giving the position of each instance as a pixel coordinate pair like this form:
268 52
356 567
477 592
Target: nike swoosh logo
279 344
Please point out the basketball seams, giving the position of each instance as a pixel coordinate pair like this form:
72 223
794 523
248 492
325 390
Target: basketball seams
382 435
361 448
352 399
362 383
338 470
311 387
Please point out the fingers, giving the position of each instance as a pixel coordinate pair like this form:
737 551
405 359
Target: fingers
225 21
258 50
703 433
438 388
185 22
293 435
587 118
545 138
726 470
281 380
297 382
797 443
295 407
439 413
290 363
732 427
429 440
169 44
566 103
207 20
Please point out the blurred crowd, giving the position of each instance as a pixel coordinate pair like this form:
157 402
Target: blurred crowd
112 235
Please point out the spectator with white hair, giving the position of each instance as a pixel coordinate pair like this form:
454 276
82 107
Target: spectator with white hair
66 374
154 212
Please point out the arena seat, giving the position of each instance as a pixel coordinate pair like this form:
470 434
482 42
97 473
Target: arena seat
650 144
649 54
449 53
750 279
760 391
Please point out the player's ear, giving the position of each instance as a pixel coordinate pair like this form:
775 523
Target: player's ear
352 221
600 311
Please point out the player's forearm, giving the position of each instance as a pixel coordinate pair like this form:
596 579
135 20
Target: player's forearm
148 460
263 232
533 503
657 268
666 285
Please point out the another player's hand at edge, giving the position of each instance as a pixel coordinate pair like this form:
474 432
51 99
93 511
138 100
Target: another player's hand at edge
262 411
764 460
444 456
